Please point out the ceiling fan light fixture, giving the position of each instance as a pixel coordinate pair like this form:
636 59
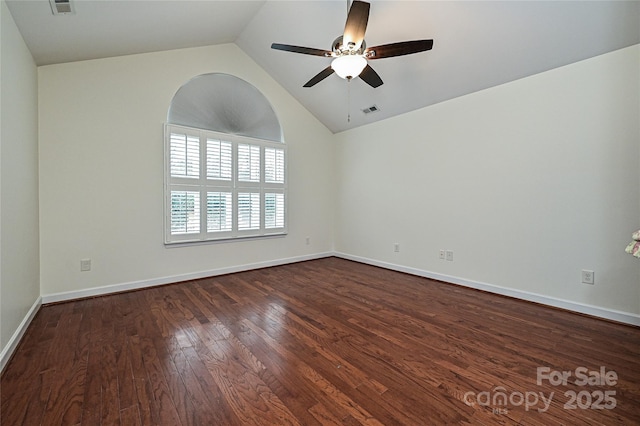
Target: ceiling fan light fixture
349 66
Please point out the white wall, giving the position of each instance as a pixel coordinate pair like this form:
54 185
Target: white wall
19 261
528 183
101 171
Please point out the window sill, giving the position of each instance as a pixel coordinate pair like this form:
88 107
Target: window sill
223 240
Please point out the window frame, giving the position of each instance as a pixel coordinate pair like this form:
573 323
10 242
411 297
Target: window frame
205 185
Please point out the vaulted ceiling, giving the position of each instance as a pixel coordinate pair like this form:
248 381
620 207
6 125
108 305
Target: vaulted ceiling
477 44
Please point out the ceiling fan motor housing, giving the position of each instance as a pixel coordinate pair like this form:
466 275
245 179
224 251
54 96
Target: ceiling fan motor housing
340 49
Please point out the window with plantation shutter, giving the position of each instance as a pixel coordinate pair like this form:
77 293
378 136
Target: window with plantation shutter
219 162
185 212
220 186
248 210
274 210
219 211
185 156
248 163
274 165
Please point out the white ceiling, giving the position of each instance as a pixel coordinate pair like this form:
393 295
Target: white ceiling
477 44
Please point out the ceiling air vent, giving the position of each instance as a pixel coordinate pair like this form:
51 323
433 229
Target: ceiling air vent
372 108
61 7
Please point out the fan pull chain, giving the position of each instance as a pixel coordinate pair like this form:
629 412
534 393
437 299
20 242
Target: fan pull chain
349 100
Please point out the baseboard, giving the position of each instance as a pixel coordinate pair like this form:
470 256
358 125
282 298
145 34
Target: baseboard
595 311
12 344
136 285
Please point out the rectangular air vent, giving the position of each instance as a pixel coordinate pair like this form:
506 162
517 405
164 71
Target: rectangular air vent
61 7
372 108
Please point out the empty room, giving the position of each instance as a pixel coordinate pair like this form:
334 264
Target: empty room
319 212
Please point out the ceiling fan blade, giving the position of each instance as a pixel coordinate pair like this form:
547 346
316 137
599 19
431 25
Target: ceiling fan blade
319 77
369 76
398 49
300 49
356 25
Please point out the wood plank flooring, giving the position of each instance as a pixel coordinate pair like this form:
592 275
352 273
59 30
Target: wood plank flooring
323 342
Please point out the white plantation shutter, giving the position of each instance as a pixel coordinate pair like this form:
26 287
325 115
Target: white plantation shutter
219 211
220 186
185 155
248 163
248 211
219 159
273 210
274 165
185 212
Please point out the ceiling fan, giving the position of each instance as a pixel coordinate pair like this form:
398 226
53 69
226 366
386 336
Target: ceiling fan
350 53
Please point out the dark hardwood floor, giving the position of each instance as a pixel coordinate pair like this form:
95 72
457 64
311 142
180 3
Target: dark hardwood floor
324 342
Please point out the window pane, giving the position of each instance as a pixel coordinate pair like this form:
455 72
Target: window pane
274 165
273 211
248 163
185 212
218 160
184 155
219 211
248 210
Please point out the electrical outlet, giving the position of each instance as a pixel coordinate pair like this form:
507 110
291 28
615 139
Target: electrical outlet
450 255
587 277
396 247
308 240
442 254
85 265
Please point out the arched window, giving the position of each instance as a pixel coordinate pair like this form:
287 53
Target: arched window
225 163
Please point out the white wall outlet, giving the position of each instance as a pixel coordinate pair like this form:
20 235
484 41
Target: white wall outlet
85 265
442 254
307 240
587 277
450 255
396 247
